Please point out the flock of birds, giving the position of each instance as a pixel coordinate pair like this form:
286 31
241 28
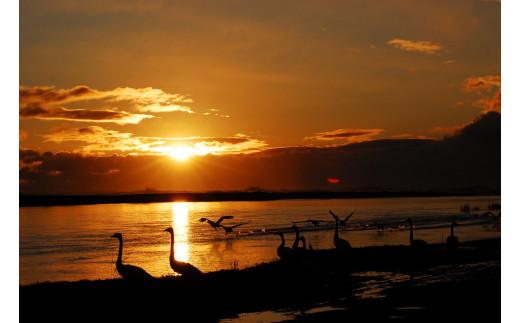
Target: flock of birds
295 252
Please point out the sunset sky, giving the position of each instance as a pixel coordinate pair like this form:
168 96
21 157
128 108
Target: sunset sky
119 96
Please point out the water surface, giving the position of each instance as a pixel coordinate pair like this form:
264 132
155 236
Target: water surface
70 243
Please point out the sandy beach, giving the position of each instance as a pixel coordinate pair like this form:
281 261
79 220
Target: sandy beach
384 284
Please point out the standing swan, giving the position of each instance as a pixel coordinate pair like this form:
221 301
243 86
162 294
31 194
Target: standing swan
452 241
183 268
128 271
338 242
417 243
285 253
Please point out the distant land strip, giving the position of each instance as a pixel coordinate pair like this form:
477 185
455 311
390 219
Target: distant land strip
79 199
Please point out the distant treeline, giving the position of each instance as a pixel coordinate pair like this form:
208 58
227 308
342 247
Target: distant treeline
52 200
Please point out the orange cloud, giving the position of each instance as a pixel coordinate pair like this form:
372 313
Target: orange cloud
488 83
351 135
416 46
40 102
100 141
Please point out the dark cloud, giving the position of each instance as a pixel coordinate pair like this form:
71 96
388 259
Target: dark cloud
36 111
49 94
469 158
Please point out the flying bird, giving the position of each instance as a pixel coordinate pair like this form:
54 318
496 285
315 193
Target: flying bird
215 225
343 223
316 223
230 228
128 271
180 267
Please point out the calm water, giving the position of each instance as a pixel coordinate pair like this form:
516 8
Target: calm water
69 243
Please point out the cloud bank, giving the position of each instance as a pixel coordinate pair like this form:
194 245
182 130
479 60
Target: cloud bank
43 103
469 158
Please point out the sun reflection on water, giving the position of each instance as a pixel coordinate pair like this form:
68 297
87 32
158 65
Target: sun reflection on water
180 227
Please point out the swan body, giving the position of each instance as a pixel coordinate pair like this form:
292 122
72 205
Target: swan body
416 243
215 225
128 271
297 250
285 253
180 267
341 244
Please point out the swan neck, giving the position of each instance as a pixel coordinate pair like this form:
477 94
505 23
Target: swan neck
120 253
452 229
172 253
411 231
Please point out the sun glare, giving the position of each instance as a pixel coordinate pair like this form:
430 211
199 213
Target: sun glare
181 153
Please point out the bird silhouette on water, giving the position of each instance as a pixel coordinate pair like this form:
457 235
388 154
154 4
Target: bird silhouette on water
129 272
452 241
316 223
230 228
215 225
416 243
285 253
342 223
180 267
339 243
495 217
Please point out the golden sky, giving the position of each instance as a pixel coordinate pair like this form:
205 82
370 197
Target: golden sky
220 82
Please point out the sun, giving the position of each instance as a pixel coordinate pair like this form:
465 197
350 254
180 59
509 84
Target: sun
181 153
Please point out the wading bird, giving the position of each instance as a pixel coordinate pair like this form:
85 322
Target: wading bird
215 225
285 253
180 267
416 243
316 223
452 241
343 223
128 271
495 217
338 242
230 229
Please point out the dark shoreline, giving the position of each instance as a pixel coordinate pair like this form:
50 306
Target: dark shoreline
28 200
457 292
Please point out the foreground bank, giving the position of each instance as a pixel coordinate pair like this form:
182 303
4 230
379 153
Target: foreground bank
433 284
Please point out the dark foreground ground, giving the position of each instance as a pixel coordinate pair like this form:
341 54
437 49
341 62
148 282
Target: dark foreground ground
373 284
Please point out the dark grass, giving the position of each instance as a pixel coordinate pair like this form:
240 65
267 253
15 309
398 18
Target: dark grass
290 285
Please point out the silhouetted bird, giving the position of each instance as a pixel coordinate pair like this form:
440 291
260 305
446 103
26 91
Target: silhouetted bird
230 229
297 250
338 242
316 223
215 225
343 223
128 271
416 243
180 267
452 241
495 217
285 253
